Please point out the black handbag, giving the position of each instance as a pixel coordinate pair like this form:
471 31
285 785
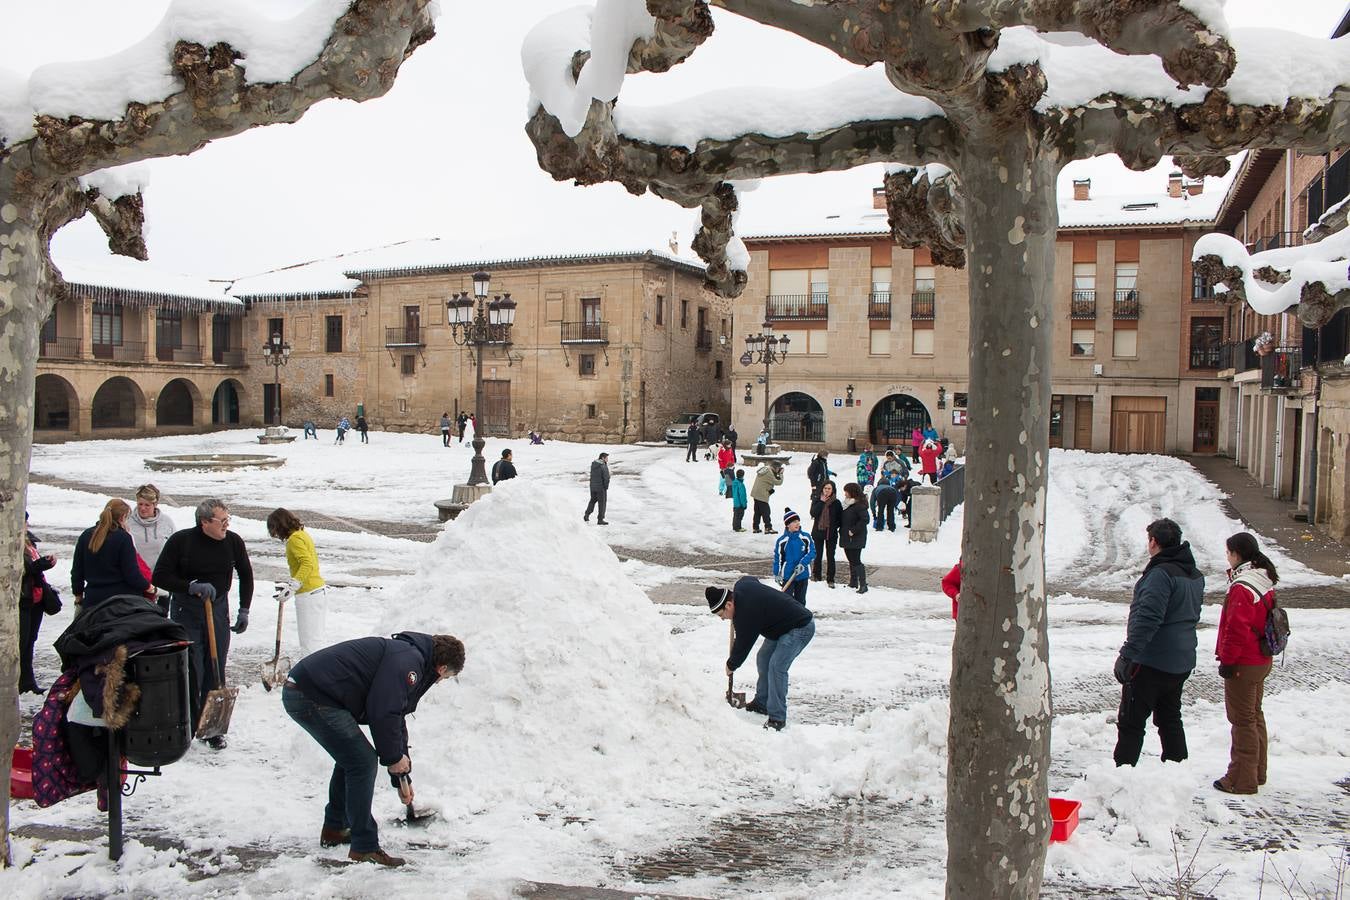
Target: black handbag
51 600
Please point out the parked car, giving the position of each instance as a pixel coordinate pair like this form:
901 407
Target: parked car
678 431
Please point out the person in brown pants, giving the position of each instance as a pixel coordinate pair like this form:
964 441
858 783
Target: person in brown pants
1242 665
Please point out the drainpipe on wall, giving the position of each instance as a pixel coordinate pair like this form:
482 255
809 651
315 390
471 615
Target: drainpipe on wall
1278 481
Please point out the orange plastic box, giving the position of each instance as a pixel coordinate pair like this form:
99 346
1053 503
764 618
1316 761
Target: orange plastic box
21 774
1064 815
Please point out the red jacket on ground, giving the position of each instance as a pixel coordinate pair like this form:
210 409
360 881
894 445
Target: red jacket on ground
1243 620
951 585
928 457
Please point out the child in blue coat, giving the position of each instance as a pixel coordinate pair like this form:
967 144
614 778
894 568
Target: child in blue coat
739 502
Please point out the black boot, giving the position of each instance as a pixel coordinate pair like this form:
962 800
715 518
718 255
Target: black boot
862 579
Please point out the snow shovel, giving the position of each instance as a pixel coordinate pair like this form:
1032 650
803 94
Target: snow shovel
413 819
219 703
275 670
735 698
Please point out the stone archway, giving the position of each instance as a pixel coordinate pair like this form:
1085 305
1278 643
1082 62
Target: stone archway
796 417
176 403
894 418
226 402
117 404
55 404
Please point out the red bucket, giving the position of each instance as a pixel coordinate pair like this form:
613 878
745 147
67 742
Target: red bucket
21 774
1064 818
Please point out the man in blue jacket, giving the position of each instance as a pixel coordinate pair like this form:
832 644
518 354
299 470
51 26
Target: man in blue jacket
793 553
756 610
370 681
1159 649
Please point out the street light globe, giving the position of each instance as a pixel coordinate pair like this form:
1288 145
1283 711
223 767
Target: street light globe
481 280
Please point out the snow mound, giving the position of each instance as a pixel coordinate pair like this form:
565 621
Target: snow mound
892 754
574 698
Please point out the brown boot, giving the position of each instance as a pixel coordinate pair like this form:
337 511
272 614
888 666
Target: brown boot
331 837
379 857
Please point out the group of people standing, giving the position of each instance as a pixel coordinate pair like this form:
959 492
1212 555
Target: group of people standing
460 425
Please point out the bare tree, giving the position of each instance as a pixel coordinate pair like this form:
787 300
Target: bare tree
40 192
1004 136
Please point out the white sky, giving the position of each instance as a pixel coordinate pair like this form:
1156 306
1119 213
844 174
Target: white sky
445 152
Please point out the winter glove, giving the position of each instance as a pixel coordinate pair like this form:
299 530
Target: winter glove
202 590
284 592
798 572
1226 671
240 621
1125 669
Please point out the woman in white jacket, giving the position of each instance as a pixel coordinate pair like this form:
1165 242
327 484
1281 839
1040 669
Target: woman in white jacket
149 527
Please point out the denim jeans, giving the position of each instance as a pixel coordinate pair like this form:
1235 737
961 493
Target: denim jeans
352 785
773 662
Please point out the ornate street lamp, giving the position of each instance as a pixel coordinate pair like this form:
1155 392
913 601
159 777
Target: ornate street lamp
476 323
768 348
277 353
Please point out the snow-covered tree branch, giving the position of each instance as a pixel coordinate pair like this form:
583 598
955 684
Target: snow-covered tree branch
207 71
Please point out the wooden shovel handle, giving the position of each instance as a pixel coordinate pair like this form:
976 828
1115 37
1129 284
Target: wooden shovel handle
216 668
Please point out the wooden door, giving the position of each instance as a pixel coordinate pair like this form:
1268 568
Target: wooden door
1205 438
1082 423
495 416
1138 424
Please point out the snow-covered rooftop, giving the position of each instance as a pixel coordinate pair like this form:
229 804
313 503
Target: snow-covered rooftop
140 283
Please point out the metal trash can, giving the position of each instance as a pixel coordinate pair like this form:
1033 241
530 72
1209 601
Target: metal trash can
853 445
160 730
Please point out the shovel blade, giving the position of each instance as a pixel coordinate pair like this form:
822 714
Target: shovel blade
414 819
275 671
736 699
216 712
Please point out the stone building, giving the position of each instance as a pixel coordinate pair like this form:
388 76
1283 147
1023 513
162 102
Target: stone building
879 335
607 347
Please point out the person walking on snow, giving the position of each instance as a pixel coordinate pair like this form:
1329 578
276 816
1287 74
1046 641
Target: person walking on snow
793 553
867 467
756 610
853 535
305 584
826 514
1159 650
915 442
371 681
599 489
363 429
1243 665
343 426
463 419
445 429
767 477
691 440
738 501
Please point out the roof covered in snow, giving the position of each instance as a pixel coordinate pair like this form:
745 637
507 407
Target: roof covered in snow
138 283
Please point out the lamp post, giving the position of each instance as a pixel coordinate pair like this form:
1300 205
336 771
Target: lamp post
768 348
277 353
475 322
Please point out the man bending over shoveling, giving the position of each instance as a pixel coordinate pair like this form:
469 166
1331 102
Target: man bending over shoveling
373 681
787 626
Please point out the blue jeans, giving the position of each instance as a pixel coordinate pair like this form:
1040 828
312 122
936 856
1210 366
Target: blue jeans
773 662
352 785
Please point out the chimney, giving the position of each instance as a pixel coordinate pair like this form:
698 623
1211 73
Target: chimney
879 198
1081 186
1195 187
1174 185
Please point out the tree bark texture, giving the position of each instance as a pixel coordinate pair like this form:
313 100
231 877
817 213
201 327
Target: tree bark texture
998 738
39 193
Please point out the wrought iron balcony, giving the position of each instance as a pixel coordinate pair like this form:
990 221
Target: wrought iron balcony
127 351
704 340
404 336
184 353
1126 305
1238 356
923 306
1280 369
879 305
1083 305
591 332
1207 358
798 306
59 348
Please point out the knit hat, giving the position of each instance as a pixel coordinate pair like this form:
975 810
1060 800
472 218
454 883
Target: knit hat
717 598
789 517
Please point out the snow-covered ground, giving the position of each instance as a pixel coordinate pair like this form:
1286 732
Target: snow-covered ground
587 742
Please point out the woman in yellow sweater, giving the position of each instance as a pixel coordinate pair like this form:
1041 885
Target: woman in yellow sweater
306 582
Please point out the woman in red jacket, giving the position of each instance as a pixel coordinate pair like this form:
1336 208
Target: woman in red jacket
1242 665
951 585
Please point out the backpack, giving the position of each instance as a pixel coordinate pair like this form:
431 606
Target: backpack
1275 636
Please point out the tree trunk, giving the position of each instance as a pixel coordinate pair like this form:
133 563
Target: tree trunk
999 732
20 320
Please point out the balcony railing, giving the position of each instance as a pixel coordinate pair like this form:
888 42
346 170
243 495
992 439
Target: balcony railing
879 305
1126 305
1277 240
127 351
227 356
1280 369
1207 358
1238 356
404 336
585 332
923 306
798 306
704 339
59 348
1083 305
187 353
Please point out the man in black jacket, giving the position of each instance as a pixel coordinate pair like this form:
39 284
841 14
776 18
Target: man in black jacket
1159 649
503 469
199 564
787 626
367 681
818 472
599 489
692 439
